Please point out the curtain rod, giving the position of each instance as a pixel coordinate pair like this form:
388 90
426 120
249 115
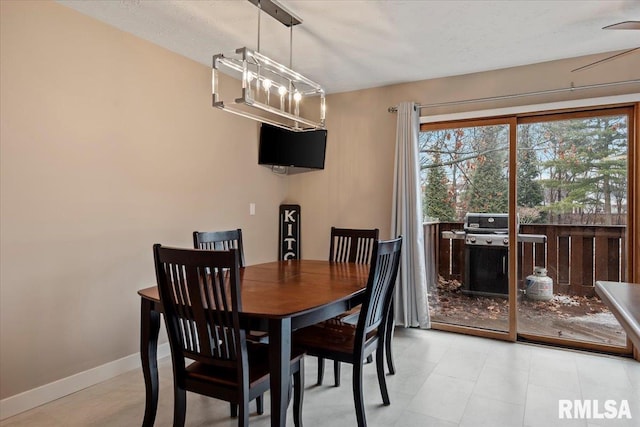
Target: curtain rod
519 95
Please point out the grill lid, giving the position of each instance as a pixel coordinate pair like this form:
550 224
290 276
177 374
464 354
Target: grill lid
486 222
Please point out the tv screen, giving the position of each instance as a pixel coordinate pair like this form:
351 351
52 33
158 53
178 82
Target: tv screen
297 150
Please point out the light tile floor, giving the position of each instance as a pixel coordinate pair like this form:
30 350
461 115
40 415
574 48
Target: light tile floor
442 380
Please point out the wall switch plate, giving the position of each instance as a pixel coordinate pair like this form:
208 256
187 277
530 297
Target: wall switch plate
252 208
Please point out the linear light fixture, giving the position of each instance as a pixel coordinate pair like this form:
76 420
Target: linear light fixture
269 92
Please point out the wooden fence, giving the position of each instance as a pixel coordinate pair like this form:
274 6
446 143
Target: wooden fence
575 256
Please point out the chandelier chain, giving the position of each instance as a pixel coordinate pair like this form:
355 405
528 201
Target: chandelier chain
259 14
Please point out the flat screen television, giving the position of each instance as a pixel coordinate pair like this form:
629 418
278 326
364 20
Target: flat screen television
296 151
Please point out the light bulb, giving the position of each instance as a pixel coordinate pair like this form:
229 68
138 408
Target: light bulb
282 90
297 96
266 84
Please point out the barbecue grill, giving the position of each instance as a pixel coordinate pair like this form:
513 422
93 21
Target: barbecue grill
486 238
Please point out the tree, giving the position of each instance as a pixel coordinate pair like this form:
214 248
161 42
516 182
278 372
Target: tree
569 170
530 192
586 175
437 200
488 187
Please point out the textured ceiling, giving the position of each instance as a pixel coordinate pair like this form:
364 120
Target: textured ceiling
354 44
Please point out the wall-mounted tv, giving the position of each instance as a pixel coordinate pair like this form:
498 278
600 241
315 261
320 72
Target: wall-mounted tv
295 151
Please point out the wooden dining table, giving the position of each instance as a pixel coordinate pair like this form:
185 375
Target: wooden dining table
277 297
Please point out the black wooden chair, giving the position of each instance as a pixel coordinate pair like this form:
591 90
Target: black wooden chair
352 245
220 241
348 245
200 293
347 343
223 241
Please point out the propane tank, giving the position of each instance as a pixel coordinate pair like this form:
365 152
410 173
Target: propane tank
539 285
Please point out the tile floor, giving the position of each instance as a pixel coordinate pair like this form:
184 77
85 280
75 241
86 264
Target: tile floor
443 379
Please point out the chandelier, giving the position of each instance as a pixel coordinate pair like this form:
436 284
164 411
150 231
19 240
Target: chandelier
265 90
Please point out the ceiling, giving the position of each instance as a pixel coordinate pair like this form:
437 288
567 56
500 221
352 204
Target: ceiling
354 44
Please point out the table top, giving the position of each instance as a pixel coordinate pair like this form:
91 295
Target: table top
286 288
624 301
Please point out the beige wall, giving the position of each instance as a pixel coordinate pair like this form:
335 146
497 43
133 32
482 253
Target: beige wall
109 144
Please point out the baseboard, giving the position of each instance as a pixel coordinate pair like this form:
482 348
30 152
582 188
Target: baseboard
49 392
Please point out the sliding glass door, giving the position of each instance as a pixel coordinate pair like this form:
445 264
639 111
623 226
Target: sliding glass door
572 185
465 175
562 180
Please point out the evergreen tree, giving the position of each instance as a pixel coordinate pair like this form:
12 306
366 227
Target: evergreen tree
530 192
588 170
600 166
488 189
437 201
569 170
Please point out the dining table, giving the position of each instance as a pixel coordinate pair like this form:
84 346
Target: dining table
277 297
623 300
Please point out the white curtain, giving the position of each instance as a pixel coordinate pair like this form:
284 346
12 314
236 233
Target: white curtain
406 220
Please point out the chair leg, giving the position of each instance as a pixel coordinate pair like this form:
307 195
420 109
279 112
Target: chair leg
336 373
320 370
358 396
387 343
298 394
179 406
243 416
381 379
259 407
260 404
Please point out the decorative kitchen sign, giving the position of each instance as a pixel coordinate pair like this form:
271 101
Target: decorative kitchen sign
289 247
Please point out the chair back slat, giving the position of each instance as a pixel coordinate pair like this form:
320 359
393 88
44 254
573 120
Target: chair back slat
186 318
380 285
219 313
200 293
220 241
352 245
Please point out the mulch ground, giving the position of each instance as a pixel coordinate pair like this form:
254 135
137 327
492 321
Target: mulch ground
574 317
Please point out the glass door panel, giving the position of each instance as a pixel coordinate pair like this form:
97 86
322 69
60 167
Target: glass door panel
572 188
465 170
